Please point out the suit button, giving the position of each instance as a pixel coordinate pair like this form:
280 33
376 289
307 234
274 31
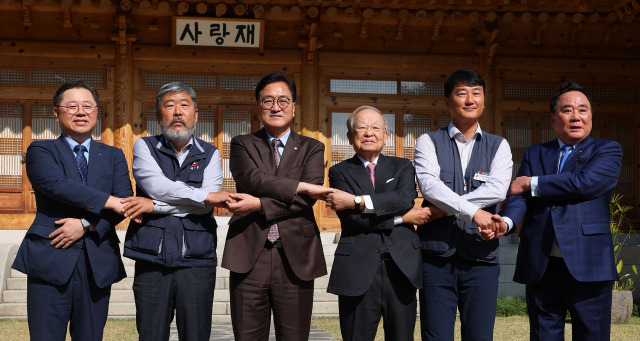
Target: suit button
555 208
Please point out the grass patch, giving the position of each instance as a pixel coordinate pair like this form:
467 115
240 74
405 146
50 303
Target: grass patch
510 306
512 328
115 330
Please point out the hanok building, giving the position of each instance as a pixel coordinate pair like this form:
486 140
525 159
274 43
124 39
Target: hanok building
393 54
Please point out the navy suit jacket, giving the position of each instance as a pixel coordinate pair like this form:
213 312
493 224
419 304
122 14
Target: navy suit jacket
573 206
60 193
356 258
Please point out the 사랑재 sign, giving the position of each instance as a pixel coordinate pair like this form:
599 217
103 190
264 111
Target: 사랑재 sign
233 33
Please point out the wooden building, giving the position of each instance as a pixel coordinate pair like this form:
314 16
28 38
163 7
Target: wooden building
392 54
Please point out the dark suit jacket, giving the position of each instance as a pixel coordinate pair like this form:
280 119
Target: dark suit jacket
253 167
59 192
573 206
356 258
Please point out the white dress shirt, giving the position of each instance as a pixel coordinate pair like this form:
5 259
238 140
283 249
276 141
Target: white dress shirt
493 191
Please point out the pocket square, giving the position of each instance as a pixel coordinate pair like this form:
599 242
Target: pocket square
388 181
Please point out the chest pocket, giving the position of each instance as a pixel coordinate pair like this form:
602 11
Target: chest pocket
193 173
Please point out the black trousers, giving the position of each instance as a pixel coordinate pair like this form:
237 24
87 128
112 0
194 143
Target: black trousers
392 296
159 291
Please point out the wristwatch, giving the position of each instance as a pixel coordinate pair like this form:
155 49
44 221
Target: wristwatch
85 224
358 201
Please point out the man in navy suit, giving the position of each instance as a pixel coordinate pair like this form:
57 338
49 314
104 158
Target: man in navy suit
378 263
70 253
562 195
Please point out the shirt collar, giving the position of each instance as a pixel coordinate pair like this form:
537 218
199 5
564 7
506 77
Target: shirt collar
454 132
366 163
73 144
283 139
562 144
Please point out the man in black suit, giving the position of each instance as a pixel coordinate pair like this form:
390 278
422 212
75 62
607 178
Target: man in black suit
377 265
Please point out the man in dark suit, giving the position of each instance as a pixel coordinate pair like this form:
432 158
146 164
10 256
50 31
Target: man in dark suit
70 253
561 195
377 266
273 246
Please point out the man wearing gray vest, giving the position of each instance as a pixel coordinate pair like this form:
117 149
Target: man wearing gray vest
179 180
463 174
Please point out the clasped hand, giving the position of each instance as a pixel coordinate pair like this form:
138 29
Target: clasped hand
491 226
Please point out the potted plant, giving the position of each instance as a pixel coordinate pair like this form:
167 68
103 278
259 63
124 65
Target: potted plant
622 300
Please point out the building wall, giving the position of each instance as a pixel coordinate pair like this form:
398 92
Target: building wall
331 83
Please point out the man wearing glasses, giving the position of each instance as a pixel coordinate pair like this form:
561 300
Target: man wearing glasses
273 246
70 253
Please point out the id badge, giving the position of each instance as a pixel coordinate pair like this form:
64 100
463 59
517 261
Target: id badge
481 176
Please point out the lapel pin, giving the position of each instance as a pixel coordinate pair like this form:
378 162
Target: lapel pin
295 148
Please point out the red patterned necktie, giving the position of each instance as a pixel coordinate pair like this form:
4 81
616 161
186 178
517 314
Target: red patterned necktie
274 234
372 173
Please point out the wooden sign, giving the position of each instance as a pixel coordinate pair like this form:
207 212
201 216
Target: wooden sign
216 32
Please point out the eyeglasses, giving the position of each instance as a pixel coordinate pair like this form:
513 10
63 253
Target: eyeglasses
268 102
74 109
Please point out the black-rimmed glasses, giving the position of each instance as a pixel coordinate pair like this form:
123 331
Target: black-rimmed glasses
268 102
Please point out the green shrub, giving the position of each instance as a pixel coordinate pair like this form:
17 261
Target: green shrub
635 312
510 306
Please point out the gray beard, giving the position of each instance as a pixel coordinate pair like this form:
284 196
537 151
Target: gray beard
177 137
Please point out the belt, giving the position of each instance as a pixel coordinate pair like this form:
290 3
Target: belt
270 245
385 256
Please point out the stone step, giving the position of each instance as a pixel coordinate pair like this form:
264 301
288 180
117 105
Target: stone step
13 310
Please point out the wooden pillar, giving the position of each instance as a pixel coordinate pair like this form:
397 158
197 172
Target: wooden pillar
123 91
309 120
490 120
123 97
309 94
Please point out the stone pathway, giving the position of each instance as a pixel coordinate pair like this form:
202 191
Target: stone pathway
223 332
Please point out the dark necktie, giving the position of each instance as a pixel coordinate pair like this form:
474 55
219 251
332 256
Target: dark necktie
81 161
276 150
372 173
566 150
274 234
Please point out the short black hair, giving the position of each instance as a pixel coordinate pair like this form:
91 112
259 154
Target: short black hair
566 87
74 84
275 77
467 77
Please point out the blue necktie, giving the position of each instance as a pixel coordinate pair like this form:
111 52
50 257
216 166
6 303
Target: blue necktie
81 161
566 150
